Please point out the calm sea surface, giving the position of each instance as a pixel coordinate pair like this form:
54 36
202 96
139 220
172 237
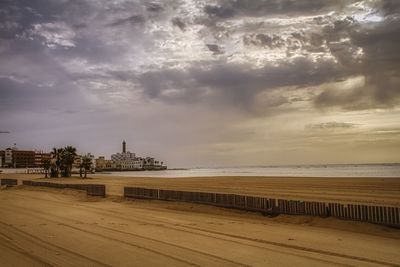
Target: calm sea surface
370 170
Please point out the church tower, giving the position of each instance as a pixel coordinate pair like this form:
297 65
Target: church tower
123 146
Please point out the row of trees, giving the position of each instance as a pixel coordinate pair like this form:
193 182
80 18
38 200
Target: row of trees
61 162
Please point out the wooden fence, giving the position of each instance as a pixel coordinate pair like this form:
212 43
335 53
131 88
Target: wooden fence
91 189
375 214
9 182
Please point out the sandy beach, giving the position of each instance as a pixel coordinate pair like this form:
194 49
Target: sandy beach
382 191
212 133
43 227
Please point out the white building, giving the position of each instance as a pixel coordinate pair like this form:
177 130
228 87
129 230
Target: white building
128 161
124 156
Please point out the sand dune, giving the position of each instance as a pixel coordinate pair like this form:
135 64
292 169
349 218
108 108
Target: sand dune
41 227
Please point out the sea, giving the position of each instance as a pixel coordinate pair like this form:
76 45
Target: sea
342 170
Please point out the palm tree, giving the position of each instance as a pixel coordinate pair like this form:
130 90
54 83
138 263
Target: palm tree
46 165
86 163
56 161
68 157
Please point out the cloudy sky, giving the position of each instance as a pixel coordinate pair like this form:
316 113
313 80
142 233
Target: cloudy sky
204 83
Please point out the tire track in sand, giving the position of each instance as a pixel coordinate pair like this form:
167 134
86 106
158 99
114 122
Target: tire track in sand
220 236
47 245
5 243
260 241
187 230
29 213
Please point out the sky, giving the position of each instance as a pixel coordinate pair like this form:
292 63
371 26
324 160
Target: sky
204 83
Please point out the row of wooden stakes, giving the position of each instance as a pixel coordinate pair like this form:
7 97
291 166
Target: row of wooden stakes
91 189
272 206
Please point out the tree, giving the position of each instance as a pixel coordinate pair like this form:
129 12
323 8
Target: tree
67 159
86 163
56 161
62 160
46 165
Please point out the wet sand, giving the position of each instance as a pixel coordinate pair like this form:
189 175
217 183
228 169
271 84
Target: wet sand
44 227
378 191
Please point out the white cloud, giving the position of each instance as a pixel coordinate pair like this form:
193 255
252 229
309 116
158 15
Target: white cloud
54 34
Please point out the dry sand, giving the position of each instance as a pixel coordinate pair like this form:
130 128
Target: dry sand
43 227
381 191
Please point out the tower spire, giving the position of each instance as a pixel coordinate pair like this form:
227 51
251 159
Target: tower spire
123 146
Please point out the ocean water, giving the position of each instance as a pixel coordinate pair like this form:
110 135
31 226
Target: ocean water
353 170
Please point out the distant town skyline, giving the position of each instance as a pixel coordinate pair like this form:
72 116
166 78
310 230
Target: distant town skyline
204 83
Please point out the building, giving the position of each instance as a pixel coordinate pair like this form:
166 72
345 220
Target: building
124 156
104 164
8 158
128 161
14 158
23 159
40 157
152 164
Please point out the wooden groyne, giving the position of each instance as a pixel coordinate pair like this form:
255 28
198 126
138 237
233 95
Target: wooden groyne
91 189
375 214
8 182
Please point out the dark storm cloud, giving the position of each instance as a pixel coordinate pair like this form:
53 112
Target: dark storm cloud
132 20
18 15
379 64
154 7
92 41
179 23
215 49
255 8
235 84
388 7
219 11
